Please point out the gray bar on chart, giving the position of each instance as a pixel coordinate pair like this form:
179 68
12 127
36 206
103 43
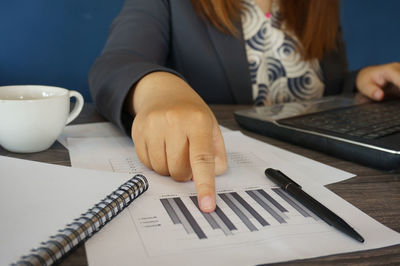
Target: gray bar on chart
222 225
272 200
303 207
200 234
250 209
272 206
185 223
240 206
283 195
213 219
238 212
207 216
170 211
225 218
265 205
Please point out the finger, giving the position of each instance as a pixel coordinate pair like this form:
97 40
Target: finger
202 162
141 149
142 153
219 151
373 91
392 74
177 150
157 155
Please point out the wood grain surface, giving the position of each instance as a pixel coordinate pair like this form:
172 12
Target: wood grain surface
375 192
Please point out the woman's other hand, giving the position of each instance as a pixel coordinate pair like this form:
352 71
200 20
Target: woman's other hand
372 80
175 133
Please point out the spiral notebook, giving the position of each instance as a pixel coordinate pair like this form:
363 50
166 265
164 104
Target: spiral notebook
38 200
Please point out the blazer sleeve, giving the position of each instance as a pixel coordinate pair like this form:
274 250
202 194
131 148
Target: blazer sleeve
338 79
138 44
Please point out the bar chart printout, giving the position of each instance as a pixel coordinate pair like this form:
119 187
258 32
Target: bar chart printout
238 215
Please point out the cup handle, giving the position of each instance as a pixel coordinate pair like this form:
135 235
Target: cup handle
78 106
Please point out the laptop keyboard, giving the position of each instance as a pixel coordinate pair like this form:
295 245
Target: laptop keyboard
370 121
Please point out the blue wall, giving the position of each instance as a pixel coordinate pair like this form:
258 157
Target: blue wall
371 29
54 42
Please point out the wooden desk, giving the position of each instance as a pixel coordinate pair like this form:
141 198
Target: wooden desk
375 192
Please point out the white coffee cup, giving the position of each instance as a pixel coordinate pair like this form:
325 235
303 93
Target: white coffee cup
33 116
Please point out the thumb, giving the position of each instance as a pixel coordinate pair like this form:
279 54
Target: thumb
373 90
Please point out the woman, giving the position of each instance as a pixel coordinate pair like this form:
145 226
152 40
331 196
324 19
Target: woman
164 60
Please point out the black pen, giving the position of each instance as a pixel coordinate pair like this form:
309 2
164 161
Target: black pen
313 205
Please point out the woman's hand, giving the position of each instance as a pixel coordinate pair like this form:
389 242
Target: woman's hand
372 80
175 133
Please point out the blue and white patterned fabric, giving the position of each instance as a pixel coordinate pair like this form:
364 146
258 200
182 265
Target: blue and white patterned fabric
278 72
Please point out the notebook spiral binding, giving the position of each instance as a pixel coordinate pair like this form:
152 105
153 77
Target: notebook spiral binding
86 225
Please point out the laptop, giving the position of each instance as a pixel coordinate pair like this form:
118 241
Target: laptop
351 128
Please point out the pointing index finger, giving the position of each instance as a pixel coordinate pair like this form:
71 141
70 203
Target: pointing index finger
202 162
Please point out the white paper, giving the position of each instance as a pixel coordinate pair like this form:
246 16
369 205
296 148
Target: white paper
100 129
37 200
108 153
224 129
93 130
146 233
125 240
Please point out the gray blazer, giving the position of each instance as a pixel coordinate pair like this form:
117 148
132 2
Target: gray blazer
163 35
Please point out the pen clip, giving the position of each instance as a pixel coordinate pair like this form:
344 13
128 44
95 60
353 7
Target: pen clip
282 179
288 178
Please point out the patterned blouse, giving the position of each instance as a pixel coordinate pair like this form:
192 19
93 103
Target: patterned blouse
278 72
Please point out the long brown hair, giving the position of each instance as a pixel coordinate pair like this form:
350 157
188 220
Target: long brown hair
315 23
